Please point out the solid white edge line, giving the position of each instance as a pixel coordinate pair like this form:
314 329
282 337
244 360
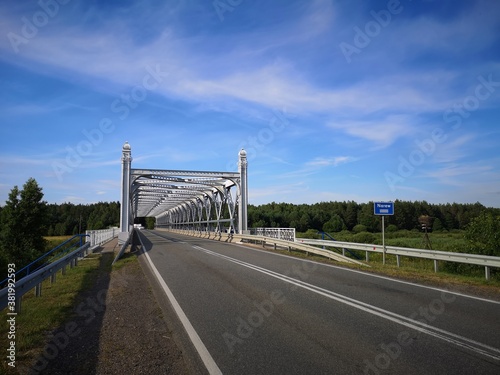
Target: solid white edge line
373 275
195 339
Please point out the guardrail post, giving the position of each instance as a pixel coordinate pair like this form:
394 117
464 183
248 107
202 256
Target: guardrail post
436 266
487 272
38 290
53 278
367 256
18 304
398 260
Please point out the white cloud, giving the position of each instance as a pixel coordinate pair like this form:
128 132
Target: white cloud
380 133
333 162
463 174
454 149
113 59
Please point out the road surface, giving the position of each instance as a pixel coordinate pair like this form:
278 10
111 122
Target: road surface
250 311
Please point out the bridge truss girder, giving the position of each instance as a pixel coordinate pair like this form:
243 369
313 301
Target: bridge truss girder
179 199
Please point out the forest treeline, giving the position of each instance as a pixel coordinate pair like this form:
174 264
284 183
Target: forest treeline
337 216
68 218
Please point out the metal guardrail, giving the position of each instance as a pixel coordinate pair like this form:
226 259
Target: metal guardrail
475 259
298 246
230 237
98 237
35 279
56 252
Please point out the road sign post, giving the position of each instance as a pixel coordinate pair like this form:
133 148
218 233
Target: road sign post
382 209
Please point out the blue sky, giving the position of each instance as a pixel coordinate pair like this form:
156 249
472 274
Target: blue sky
333 100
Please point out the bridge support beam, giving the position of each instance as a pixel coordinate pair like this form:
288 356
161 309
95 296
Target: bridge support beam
125 194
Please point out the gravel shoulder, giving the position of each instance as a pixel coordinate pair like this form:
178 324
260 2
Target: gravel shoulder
134 337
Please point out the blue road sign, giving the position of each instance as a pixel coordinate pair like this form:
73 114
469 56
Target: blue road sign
383 208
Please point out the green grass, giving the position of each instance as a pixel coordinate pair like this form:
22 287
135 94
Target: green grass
41 315
124 260
54 241
443 241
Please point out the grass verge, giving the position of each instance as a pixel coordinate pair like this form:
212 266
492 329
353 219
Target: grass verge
54 241
39 316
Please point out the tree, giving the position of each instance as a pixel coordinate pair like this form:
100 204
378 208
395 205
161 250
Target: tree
351 215
359 228
368 219
437 226
304 223
483 233
150 223
335 224
23 225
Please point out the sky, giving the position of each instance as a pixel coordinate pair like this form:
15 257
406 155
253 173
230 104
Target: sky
333 100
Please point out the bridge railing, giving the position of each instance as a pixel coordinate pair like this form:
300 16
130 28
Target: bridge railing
98 237
287 234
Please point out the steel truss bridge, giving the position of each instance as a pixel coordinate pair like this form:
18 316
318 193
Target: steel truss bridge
196 200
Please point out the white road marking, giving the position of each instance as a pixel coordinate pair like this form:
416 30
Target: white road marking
458 340
202 350
374 275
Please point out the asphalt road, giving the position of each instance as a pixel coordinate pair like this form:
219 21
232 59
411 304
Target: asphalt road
250 311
